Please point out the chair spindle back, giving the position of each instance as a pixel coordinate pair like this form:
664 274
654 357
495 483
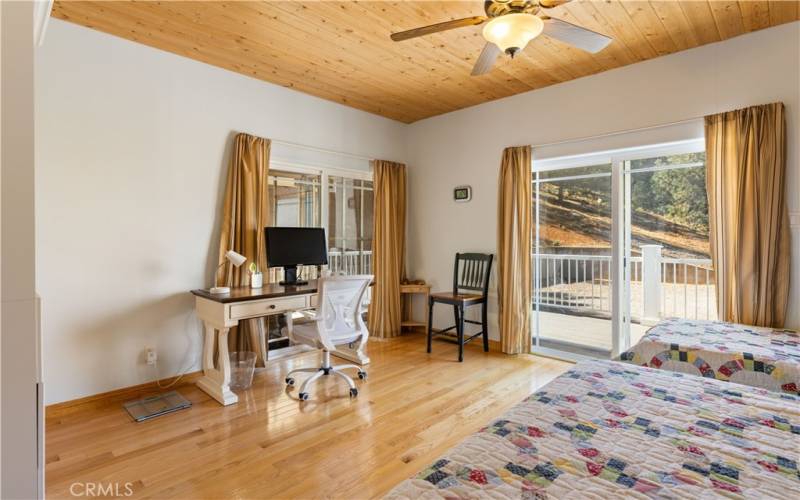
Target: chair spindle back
471 272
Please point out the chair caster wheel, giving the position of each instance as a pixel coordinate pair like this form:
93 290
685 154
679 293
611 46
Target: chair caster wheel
290 381
353 392
303 396
362 375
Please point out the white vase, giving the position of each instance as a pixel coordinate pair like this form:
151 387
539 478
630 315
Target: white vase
256 280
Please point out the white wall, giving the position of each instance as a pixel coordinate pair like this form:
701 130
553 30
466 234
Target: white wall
132 148
464 147
22 459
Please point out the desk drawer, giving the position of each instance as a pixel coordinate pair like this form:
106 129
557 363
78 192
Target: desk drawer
266 307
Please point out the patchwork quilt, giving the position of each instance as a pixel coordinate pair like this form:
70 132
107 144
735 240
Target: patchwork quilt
606 429
760 357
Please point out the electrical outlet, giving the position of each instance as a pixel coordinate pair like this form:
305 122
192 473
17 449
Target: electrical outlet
151 356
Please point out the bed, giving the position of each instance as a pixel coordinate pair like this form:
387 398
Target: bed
607 429
760 357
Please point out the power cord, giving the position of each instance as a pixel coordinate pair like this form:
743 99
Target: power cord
187 355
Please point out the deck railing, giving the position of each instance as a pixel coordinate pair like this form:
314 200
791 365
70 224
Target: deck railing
659 286
350 261
347 262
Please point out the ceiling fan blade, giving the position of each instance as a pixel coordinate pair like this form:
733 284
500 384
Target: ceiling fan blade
486 60
435 28
585 39
549 4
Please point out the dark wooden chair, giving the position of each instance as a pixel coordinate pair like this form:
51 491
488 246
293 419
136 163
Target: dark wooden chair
470 288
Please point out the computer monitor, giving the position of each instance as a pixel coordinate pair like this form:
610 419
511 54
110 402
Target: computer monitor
288 247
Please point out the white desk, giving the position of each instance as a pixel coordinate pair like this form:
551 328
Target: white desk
221 312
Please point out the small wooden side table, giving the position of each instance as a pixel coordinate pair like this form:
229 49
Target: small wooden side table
406 293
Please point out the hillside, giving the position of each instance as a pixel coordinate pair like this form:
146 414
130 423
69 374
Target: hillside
582 218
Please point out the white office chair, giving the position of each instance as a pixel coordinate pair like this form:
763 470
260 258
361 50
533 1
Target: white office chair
337 321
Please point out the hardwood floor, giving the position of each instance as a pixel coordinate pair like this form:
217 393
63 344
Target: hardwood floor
413 408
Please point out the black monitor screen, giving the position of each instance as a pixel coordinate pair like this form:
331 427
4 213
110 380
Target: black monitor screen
291 246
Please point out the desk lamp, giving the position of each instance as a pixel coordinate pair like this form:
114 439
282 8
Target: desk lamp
234 258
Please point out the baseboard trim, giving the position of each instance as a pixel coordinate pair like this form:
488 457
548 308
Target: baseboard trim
58 410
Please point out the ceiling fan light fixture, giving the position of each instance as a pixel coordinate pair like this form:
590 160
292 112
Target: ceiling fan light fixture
512 32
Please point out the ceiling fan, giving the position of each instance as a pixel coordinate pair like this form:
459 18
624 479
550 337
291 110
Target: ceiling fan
511 25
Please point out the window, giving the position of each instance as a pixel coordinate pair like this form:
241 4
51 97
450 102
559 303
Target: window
350 223
297 199
667 207
344 209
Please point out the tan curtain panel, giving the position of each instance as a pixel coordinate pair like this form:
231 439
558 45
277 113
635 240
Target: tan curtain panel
389 184
749 220
514 250
245 214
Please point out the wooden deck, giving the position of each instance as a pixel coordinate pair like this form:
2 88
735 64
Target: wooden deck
412 409
582 330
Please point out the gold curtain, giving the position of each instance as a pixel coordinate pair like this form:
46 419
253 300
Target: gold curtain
514 250
388 248
749 220
245 214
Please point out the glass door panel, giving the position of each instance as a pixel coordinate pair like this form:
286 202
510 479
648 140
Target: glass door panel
350 225
667 243
295 202
573 260
295 199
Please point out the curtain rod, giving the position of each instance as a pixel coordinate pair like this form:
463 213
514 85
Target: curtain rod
619 132
320 150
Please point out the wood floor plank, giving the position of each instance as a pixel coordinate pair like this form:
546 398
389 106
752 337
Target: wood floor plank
413 407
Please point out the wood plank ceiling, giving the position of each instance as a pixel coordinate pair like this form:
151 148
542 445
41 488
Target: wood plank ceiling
341 51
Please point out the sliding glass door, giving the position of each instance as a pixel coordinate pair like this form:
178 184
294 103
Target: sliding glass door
572 259
620 242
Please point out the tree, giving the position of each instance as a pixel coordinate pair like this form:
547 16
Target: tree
678 194
685 189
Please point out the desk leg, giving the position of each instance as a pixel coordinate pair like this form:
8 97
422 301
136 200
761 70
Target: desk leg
216 379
